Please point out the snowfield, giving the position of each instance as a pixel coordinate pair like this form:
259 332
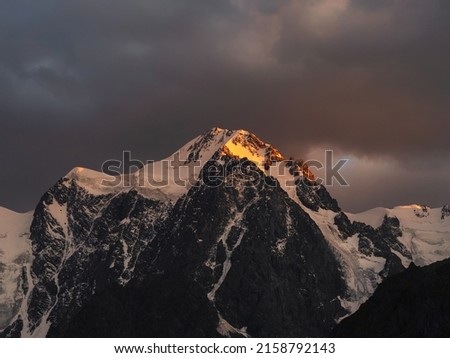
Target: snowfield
426 235
15 254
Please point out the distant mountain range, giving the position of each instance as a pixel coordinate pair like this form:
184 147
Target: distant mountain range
226 237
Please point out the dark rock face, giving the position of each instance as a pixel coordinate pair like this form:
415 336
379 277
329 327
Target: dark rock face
315 196
345 226
153 308
254 259
422 211
413 303
13 330
445 212
98 246
378 242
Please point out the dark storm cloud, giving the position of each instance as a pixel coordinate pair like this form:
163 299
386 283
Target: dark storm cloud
83 80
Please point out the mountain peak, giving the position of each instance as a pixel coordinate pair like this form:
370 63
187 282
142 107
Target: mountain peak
244 144
85 173
162 179
239 144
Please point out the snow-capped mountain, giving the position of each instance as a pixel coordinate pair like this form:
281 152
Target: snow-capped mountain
425 231
247 246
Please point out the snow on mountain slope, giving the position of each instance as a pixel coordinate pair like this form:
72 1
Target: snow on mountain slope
94 182
173 176
170 178
425 232
361 271
423 235
162 179
15 254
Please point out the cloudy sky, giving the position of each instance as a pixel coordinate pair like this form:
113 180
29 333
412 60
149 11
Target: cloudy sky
83 80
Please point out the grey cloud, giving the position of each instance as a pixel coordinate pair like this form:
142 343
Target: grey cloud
371 5
83 80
